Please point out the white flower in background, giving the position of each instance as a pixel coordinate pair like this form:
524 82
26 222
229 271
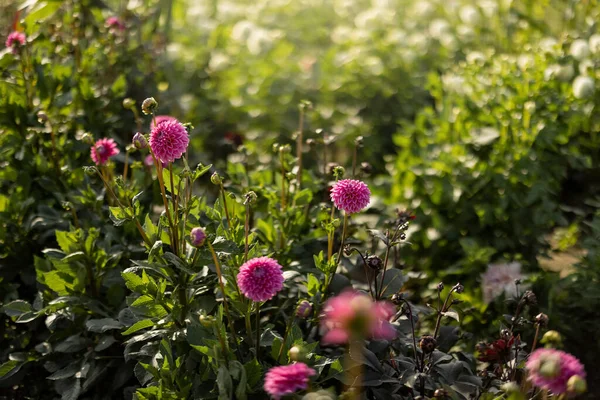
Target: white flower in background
489 7
241 31
466 33
396 36
259 41
565 72
439 28
475 57
423 9
228 10
340 34
373 18
374 65
525 61
470 15
218 61
583 87
500 278
579 49
595 43
453 83
547 44
586 67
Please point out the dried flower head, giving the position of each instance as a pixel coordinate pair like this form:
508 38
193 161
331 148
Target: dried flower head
428 344
169 140
551 369
350 195
260 279
354 314
102 150
287 379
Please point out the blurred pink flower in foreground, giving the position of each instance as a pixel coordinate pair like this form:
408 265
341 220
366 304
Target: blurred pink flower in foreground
15 40
354 315
115 23
551 369
500 278
102 150
287 379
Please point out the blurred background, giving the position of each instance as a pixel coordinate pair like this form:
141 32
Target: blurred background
478 116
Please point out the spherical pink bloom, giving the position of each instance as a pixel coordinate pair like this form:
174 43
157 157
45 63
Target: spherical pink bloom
115 23
551 369
169 140
260 279
354 314
15 40
350 195
102 150
161 118
287 379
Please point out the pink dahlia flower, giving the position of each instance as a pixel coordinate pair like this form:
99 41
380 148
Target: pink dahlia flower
260 279
15 40
287 379
551 369
353 314
161 118
115 23
102 150
350 195
169 140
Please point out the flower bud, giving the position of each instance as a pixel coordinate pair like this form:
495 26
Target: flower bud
576 385
90 170
428 344
510 387
552 339
440 394
250 197
374 262
216 179
304 309
529 298
541 319
458 288
207 320
397 298
366 168
42 117
128 103
286 148
295 354
440 286
149 106
139 141
66 205
358 141
338 172
87 138
197 237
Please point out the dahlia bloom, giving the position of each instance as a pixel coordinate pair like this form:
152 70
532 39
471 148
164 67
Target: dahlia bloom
15 40
161 118
551 369
500 278
169 140
350 195
287 379
354 315
102 150
260 279
115 23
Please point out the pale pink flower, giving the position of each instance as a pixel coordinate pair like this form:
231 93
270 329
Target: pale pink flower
102 150
551 369
260 279
500 278
353 314
287 379
115 23
350 195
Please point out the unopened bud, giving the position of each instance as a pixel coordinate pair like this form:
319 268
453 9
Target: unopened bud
90 170
529 298
374 262
149 106
128 103
338 172
510 387
366 168
440 394
304 309
207 320
140 141
295 353
552 339
87 138
250 198
576 385
42 117
440 286
216 179
197 237
458 288
428 344
541 319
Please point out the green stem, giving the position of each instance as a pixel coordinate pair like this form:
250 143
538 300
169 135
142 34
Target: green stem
175 211
225 206
258 330
246 232
299 147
